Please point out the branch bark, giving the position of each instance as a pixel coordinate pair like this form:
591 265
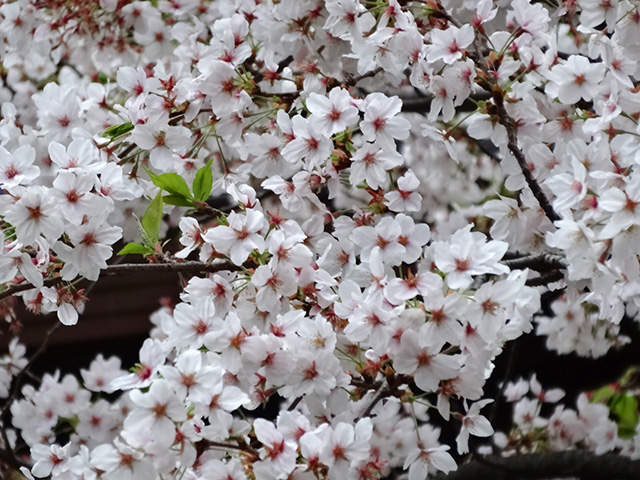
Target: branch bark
540 263
545 279
507 122
568 464
132 268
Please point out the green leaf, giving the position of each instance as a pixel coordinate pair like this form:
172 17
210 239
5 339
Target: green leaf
103 78
350 146
602 395
172 183
625 409
203 182
118 130
177 200
135 247
150 222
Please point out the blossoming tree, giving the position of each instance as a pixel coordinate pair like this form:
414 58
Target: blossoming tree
370 199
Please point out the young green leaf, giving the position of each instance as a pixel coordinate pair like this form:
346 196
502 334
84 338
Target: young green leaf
177 200
171 183
118 130
150 221
602 395
203 182
134 247
103 78
625 408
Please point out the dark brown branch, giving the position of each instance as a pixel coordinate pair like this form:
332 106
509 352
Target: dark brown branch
295 403
507 122
182 267
392 389
539 263
568 464
285 63
242 446
422 103
27 286
132 268
350 80
379 395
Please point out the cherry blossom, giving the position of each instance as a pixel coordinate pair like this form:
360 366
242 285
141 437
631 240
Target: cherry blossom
17 168
448 45
240 237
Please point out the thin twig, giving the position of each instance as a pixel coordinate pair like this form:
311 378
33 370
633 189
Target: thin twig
18 380
295 403
243 447
8 452
510 360
379 395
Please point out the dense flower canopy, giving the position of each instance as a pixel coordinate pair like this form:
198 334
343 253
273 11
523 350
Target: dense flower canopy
370 199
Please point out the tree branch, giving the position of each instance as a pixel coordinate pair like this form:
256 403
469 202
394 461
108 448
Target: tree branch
540 263
351 80
568 464
422 103
132 268
507 122
545 279
511 348
182 267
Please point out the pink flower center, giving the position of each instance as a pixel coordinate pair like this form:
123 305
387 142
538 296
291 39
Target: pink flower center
334 115
11 172
310 372
462 265
379 124
424 359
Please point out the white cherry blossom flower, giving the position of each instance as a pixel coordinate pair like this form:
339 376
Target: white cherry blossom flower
240 237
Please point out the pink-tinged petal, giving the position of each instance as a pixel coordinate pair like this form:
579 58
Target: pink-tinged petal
232 398
30 272
161 158
144 136
480 427
418 470
462 441
399 128
442 460
612 200
58 153
67 314
240 252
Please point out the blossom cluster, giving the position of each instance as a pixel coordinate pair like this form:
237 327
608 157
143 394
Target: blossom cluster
603 420
374 197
